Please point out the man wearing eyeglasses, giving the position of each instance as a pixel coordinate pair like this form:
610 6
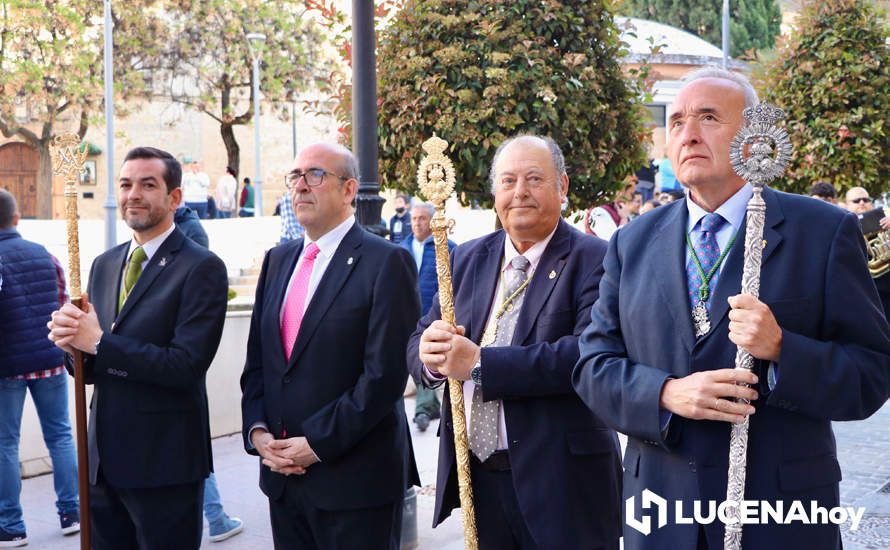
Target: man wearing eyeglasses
325 370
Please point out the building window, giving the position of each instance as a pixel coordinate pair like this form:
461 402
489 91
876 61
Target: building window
657 113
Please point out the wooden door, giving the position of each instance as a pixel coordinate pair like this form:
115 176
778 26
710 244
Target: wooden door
18 175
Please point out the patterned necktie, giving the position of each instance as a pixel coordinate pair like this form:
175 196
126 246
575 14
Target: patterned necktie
707 250
483 436
131 274
294 307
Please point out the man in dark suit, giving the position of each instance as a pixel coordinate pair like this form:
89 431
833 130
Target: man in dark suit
325 369
149 336
545 470
820 341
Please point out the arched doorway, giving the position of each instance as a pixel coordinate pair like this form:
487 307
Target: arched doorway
18 175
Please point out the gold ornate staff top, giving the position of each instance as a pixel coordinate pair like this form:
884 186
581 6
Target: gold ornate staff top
435 176
68 162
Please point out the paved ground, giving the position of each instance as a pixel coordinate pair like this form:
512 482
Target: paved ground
863 451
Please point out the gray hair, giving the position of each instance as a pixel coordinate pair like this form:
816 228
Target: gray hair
349 166
711 71
429 208
559 161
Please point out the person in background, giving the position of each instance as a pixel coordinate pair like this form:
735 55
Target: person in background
33 285
649 205
400 223
646 180
422 248
196 189
290 226
668 181
246 202
226 188
824 191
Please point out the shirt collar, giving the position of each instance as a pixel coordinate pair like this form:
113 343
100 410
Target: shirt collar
733 209
329 242
153 245
533 254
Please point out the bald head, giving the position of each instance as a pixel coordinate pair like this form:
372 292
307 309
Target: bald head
345 161
858 201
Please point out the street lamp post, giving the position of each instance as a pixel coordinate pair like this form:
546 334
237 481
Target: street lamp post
725 29
368 201
110 205
255 42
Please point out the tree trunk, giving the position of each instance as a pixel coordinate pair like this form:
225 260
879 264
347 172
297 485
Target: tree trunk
44 181
233 150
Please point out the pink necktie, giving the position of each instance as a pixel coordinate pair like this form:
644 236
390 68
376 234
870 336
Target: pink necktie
296 300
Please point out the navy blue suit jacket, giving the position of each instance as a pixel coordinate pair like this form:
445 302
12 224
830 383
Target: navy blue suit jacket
149 425
834 365
565 461
342 386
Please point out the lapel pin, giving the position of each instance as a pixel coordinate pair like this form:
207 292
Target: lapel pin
764 243
552 274
163 262
349 261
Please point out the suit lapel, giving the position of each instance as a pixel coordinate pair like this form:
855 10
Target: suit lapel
669 268
161 260
730 281
105 298
486 270
339 268
544 279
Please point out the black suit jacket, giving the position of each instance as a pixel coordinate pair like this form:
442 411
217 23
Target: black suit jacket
834 365
149 425
565 462
342 387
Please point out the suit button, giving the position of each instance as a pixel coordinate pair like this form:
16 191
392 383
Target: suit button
692 466
515 442
287 379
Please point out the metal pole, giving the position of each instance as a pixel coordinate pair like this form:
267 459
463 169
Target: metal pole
364 116
293 126
725 33
110 205
258 178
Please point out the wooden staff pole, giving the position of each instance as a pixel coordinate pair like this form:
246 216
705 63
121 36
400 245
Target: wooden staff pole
68 163
435 177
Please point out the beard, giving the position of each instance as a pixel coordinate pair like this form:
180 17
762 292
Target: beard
144 220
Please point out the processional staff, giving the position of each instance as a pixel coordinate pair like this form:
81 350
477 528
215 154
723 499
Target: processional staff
67 163
435 177
759 153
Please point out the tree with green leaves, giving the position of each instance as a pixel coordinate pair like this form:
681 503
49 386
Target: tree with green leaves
51 70
475 72
753 24
832 78
209 63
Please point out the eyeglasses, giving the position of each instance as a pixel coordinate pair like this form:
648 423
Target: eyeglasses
314 177
860 200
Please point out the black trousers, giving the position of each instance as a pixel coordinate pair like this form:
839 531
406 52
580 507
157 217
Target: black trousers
158 518
498 517
499 520
298 524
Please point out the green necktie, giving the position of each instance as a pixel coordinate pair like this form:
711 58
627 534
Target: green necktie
131 275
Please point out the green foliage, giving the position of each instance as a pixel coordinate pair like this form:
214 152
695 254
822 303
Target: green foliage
209 63
51 69
475 72
832 78
753 24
